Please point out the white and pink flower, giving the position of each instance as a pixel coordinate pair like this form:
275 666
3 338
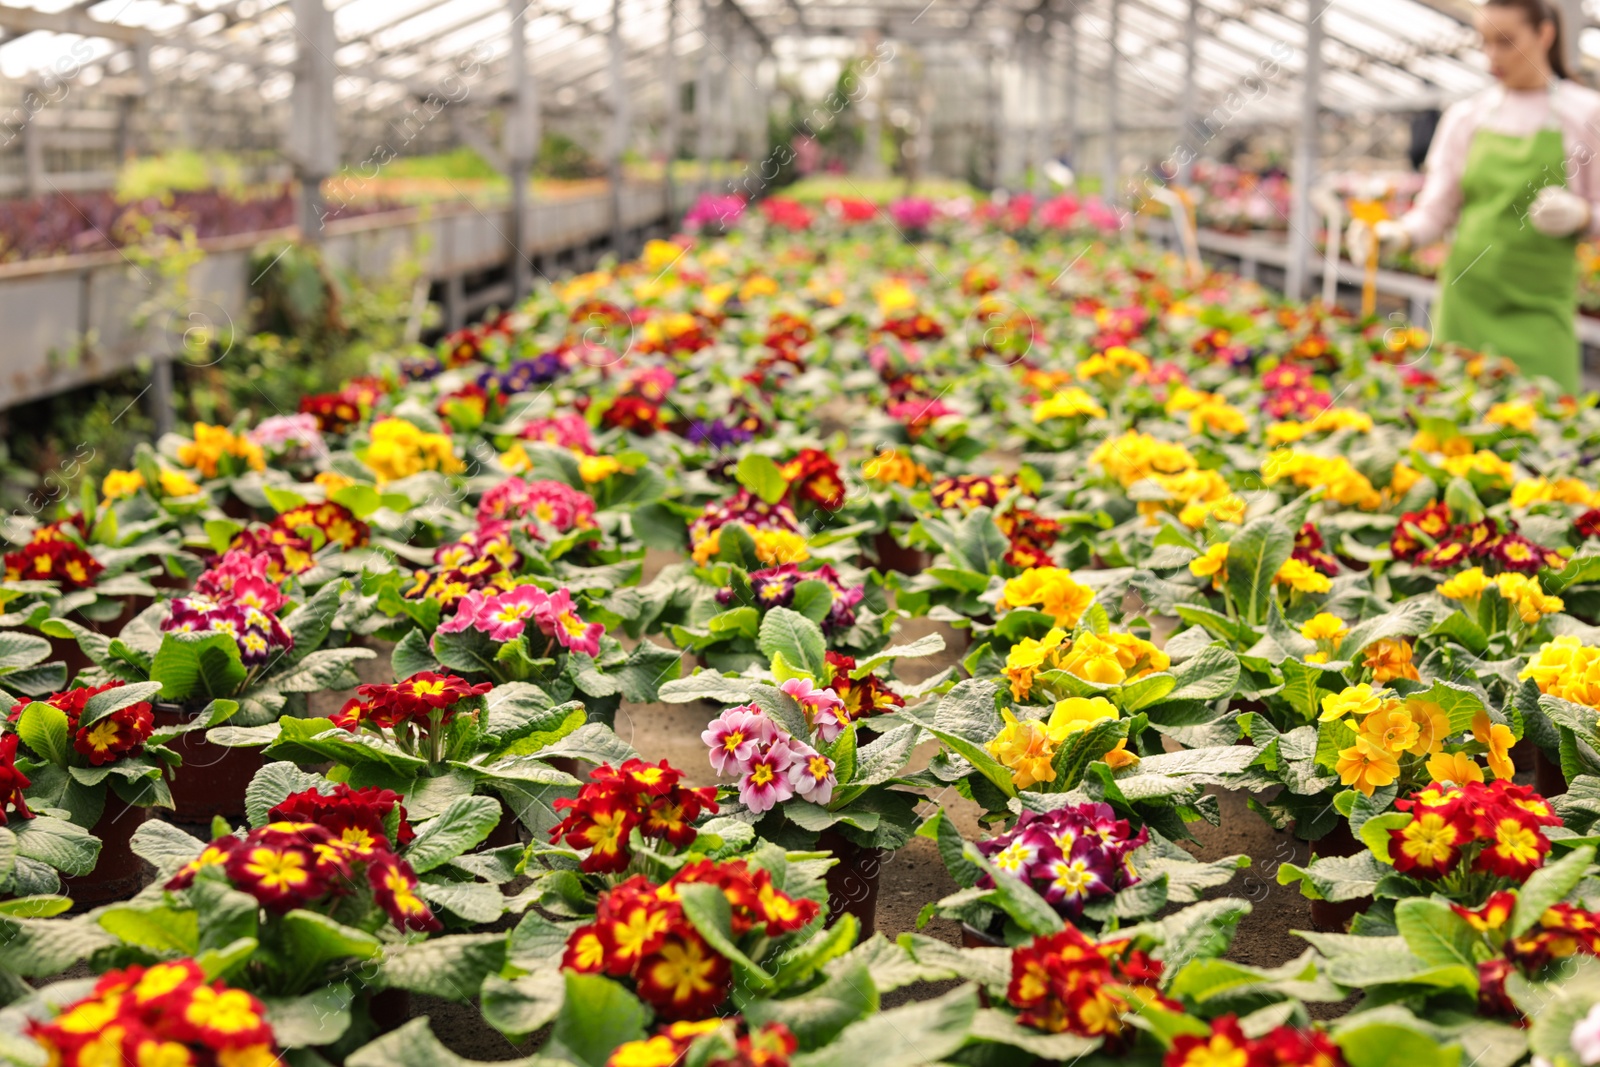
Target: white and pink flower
735 736
766 782
813 777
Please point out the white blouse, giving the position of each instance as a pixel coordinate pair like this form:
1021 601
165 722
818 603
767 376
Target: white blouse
1565 105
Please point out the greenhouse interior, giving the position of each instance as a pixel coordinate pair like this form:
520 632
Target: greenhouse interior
750 533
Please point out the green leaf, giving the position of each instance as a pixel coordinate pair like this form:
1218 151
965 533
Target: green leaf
186 664
273 784
1549 885
818 1016
596 1016
43 729
319 1017
313 941
1211 673
1376 1044
452 967
1435 934
914 1035
797 639
1375 833
762 477
1255 554
161 929
464 825
102 704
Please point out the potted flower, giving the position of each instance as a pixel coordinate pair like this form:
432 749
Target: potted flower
94 752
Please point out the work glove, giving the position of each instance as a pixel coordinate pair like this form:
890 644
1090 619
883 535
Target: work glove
1387 235
1558 213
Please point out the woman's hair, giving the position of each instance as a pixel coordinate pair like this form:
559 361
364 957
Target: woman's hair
1539 12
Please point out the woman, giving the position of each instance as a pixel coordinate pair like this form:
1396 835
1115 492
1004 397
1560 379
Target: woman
1514 169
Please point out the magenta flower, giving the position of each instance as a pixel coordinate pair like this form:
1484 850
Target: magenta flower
734 737
466 613
504 617
813 777
766 782
559 618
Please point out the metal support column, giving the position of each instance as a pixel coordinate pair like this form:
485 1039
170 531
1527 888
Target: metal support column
1573 21
521 149
1038 133
1302 222
312 142
619 126
1069 123
674 98
1188 145
1110 165
702 95
33 156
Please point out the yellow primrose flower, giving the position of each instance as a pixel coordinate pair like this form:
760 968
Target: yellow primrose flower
593 469
1433 726
659 255
1366 767
1324 626
1357 700
1078 713
1301 577
1213 564
1468 585
1025 749
1480 462
1498 739
1115 363
212 443
1516 414
1391 728
1530 491
400 449
1052 589
1528 597
893 296
1457 768
1136 456
118 484
1027 657
177 483
1218 417
1068 404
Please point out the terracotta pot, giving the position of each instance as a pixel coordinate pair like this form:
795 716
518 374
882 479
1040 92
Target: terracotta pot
972 937
853 881
118 874
1547 777
67 651
1333 916
1522 755
390 1009
213 778
508 831
893 556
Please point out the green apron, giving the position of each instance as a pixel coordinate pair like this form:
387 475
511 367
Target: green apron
1507 289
